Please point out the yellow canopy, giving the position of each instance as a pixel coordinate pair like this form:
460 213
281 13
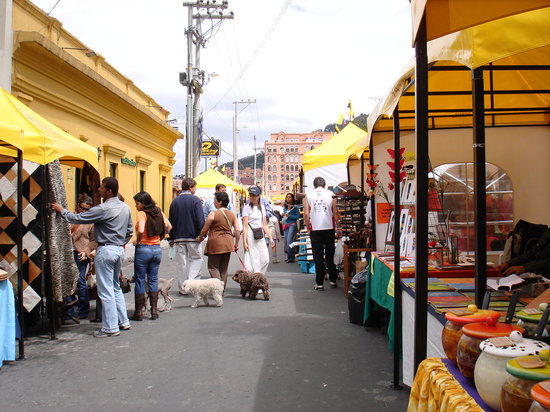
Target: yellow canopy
11 136
516 84
43 142
449 16
335 150
211 177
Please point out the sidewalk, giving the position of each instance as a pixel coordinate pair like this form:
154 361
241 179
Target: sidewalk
296 352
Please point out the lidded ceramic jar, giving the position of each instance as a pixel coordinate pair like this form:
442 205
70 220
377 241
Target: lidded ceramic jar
515 394
541 402
530 323
473 334
490 369
452 331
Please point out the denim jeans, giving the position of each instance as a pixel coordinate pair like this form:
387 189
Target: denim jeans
108 262
146 267
82 287
290 232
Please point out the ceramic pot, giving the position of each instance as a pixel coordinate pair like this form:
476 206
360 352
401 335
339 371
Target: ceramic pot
515 395
452 331
541 398
490 368
473 334
530 323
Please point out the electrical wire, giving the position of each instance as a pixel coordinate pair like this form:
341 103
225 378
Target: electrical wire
54 6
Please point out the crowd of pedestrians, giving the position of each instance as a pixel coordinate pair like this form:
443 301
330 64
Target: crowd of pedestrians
100 233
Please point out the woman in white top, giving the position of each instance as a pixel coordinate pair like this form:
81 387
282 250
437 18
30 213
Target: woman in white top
254 217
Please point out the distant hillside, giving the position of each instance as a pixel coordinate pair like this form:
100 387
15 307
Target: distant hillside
247 161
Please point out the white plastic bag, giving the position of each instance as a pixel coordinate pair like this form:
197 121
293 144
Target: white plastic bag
339 252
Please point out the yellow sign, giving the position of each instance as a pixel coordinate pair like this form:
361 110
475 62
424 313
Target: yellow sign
211 148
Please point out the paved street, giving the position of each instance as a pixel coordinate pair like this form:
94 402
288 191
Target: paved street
296 352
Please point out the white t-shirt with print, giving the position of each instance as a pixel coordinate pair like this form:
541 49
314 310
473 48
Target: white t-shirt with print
320 209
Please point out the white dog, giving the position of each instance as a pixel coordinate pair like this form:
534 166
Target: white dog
201 288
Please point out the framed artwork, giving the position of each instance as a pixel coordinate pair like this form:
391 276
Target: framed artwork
389 234
403 220
411 245
410 191
403 188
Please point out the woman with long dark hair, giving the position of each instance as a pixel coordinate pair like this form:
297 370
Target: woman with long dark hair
221 243
291 214
151 227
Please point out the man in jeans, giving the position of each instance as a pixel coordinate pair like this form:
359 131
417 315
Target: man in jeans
320 217
187 219
112 221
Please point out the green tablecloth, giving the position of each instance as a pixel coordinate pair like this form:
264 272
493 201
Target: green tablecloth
376 293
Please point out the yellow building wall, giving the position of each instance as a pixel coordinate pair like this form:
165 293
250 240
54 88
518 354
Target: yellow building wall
89 99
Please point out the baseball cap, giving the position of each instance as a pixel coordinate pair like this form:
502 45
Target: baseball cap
255 190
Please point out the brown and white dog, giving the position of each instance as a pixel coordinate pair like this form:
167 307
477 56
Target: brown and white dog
252 283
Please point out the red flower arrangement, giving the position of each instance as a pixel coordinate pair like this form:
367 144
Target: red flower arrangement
374 184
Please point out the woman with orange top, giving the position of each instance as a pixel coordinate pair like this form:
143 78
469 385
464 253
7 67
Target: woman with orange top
151 227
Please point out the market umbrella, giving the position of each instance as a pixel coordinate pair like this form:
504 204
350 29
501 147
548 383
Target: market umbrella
43 142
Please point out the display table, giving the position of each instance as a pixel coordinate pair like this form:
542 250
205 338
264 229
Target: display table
439 386
7 322
379 287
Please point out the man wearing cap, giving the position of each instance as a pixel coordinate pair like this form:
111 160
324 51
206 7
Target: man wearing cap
187 219
321 217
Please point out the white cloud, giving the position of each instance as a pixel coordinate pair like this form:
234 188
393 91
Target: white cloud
320 55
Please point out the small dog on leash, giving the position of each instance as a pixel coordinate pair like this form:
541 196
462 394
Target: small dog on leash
201 288
164 286
252 283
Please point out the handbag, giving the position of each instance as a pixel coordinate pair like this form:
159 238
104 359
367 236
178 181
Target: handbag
124 284
257 232
91 281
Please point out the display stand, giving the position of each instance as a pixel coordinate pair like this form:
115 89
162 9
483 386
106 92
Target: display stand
349 267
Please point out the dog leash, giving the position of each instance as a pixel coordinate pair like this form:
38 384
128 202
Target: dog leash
240 260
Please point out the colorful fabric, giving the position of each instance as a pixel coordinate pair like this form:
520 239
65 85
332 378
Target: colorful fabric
435 389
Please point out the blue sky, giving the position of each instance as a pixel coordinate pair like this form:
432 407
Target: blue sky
301 60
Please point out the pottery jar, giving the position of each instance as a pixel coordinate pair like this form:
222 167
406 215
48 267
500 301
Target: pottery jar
490 369
541 402
473 334
530 323
515 394
452 331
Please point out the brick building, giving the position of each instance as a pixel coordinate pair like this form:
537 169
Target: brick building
283 158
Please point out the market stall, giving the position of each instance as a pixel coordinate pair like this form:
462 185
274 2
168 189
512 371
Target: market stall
207 181
25 188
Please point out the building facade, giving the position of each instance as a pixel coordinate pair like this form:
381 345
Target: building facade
72 86
283 159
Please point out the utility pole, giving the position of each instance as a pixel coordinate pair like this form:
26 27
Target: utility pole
255 148
195 78
235 133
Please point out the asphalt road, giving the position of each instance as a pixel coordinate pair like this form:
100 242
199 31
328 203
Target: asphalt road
296 352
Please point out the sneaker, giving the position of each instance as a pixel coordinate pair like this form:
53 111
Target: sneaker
102 334
333 285
124 327
318 287
275 260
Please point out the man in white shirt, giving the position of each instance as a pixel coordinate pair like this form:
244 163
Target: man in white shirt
209 203
321 217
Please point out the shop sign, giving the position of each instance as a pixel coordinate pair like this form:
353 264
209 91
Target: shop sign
128 162
211 148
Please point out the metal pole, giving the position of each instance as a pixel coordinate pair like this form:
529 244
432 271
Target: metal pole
255 159
20 253
235 162
189 109
197 138
397 254
422 163
480 209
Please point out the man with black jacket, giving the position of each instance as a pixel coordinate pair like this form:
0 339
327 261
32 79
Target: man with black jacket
187 219
535 260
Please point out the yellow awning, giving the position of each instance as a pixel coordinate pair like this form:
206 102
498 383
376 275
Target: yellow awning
448 16
335 150
211 177
11 136
516 90
43 142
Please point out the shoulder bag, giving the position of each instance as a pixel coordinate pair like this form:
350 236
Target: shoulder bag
258 232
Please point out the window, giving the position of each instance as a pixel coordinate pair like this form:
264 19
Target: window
454 183
282 149
287 149
282 158
269 178
269 168
287 178
142 180
274 188
112 169
163 192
